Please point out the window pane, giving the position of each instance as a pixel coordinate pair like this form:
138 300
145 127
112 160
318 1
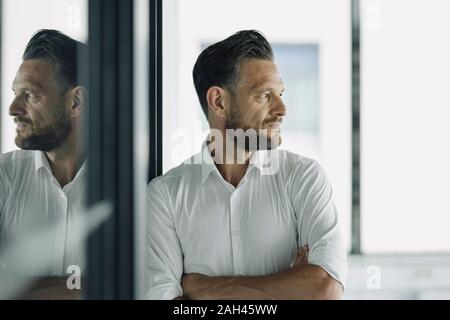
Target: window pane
404 125
299 66
40 232
311 40
20 20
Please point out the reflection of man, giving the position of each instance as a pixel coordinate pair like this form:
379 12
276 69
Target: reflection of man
227 230
42 185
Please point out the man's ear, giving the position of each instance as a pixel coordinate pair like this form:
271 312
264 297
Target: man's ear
76 99
217 99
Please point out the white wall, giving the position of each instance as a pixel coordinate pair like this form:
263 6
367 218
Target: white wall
405 111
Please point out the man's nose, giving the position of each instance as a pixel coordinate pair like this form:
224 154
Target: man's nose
279 108
16 108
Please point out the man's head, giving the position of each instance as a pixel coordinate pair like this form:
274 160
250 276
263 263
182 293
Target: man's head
239 86
48 99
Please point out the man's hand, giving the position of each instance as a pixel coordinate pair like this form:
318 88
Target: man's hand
302 257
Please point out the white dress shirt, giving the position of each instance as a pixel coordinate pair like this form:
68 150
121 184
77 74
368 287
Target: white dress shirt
31 198
198 222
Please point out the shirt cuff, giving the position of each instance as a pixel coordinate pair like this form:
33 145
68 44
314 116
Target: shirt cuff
165 291
335 265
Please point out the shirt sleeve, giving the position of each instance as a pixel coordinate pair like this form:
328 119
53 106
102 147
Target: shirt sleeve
164 261
318 221
3 189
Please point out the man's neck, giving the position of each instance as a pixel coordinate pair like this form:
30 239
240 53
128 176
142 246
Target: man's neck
232 165
65 162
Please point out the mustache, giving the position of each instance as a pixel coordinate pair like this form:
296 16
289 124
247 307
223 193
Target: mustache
23 120
275 119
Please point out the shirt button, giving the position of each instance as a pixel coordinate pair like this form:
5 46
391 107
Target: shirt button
62 194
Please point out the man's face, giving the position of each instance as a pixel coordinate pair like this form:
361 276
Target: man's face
256 102
42 121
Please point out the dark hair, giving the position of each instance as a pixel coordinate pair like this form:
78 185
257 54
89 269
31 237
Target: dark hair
59 50
218 64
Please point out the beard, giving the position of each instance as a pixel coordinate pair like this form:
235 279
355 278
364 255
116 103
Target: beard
254 139
46 138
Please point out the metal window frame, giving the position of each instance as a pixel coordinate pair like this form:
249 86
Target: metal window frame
110 263
356 155
155 89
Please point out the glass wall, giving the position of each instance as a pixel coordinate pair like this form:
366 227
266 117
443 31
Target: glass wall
40 220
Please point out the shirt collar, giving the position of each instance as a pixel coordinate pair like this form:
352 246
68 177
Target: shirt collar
40 161
257 160
207 162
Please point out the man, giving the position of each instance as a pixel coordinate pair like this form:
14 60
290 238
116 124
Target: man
43 184
228 227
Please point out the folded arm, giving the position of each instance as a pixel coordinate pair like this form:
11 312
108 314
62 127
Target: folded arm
50 288
301 281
